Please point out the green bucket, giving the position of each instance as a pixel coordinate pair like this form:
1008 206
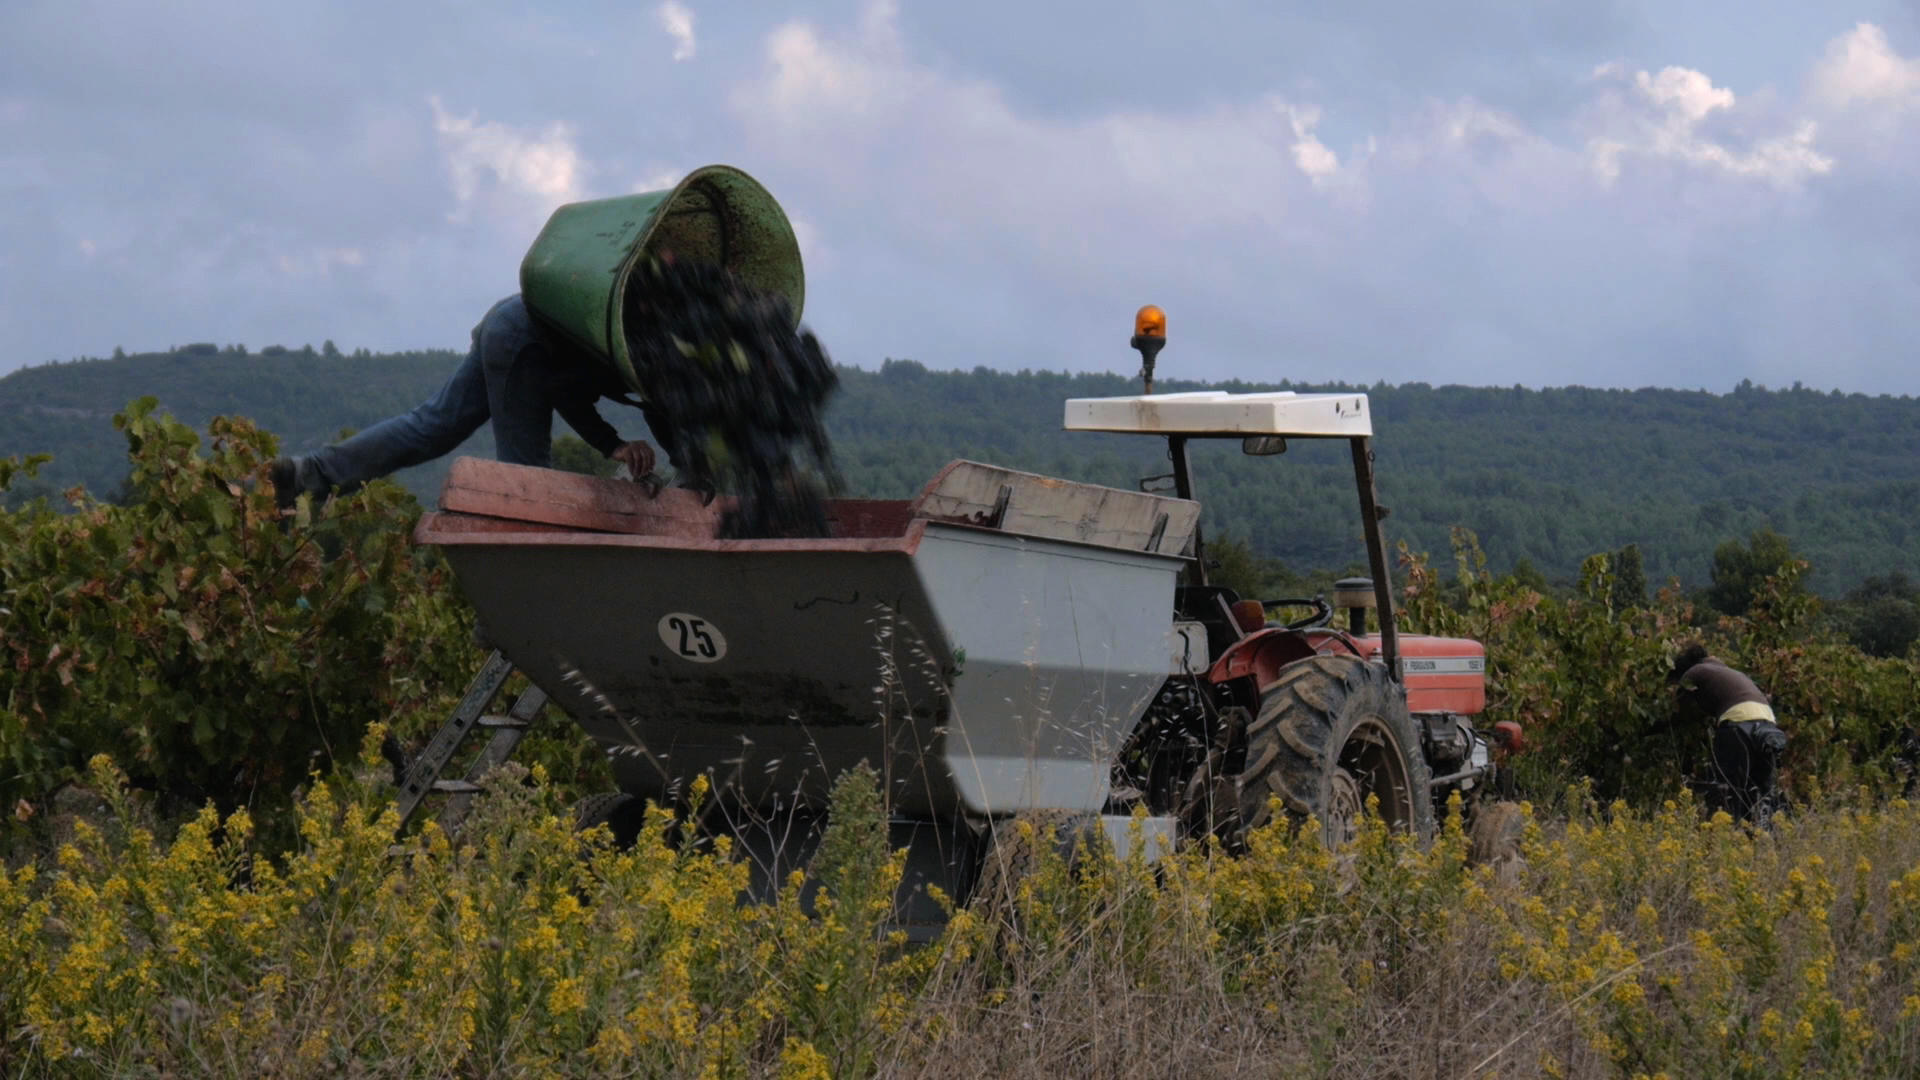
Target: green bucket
575 276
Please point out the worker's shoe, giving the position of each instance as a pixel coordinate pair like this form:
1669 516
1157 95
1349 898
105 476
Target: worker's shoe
287 489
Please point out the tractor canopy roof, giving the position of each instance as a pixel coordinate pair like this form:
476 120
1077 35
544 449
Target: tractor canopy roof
1219 414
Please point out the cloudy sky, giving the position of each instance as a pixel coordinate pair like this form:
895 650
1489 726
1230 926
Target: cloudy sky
1488 191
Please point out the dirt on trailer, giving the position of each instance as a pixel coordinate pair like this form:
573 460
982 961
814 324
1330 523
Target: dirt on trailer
742 389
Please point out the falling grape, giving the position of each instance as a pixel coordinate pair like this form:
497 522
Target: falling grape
742 390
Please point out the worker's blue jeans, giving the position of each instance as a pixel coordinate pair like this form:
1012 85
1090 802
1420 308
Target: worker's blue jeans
502 379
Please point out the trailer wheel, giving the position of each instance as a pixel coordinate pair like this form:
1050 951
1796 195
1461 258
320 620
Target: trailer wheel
1012 854
1332 731
623 814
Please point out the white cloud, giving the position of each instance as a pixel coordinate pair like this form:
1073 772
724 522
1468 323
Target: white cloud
1492 240
1309 212
1685 92
677 20
1309 153
1470 121
814 252
812 76
541 170
1861 66
1662 117
857 108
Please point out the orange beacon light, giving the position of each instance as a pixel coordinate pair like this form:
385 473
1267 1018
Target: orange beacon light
1149 336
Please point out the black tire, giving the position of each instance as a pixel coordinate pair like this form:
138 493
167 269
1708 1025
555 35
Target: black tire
624 815
1008 858
1331 731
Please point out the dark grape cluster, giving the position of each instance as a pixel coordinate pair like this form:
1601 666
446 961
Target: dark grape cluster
741 390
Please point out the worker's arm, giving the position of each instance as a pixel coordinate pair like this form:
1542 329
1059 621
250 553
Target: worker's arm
573 390
637 456
583 418
575 406
587 422
1668 719
572 396
1686 704
1691 694
663 433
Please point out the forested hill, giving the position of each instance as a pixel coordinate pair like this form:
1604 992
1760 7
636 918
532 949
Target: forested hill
1545 475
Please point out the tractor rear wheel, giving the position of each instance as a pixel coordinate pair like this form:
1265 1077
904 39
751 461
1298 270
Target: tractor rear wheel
1331 733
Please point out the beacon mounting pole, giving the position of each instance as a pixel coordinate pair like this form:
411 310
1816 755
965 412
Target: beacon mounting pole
1149 337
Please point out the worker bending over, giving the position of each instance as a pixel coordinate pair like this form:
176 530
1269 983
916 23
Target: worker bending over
517 375
1747 742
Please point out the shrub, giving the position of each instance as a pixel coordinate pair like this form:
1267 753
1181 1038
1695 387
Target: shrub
1587 678
186 634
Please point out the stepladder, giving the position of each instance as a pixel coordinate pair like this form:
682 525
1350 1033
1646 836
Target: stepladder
421 776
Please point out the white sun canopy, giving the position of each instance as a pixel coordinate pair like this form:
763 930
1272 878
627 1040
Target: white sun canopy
1218 413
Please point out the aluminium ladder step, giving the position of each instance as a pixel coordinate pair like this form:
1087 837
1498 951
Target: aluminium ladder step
422 775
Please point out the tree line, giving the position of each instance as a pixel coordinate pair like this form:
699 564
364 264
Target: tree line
1544 478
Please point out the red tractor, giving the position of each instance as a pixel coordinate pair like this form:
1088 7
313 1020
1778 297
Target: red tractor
1316 715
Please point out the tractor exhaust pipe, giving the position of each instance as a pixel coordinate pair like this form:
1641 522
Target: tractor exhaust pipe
1355 595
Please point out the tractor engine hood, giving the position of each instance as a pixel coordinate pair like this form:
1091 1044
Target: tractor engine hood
1442 674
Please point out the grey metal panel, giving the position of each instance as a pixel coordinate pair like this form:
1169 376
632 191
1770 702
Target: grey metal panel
1064 647
1158 835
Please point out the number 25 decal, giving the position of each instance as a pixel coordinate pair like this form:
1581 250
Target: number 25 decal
691 637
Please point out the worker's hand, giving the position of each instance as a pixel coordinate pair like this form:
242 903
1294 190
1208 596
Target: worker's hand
637 456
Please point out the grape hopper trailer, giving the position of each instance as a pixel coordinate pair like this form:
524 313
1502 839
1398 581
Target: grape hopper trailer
1003 643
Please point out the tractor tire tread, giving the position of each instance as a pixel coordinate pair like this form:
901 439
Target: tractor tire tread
1010 858
1291 746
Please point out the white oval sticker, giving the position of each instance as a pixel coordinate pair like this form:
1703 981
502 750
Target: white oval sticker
691 637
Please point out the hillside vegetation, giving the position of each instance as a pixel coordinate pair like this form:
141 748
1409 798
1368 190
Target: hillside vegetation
1544 476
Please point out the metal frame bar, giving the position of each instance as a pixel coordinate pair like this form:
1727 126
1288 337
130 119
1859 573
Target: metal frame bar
1376 553
507 733
420 776
1183 488
1362 448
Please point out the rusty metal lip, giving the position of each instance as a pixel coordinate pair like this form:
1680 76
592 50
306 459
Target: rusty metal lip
441 528
973 531
933 487
939 478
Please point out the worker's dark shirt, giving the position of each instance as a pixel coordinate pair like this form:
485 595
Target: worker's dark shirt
575 381
1714 688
